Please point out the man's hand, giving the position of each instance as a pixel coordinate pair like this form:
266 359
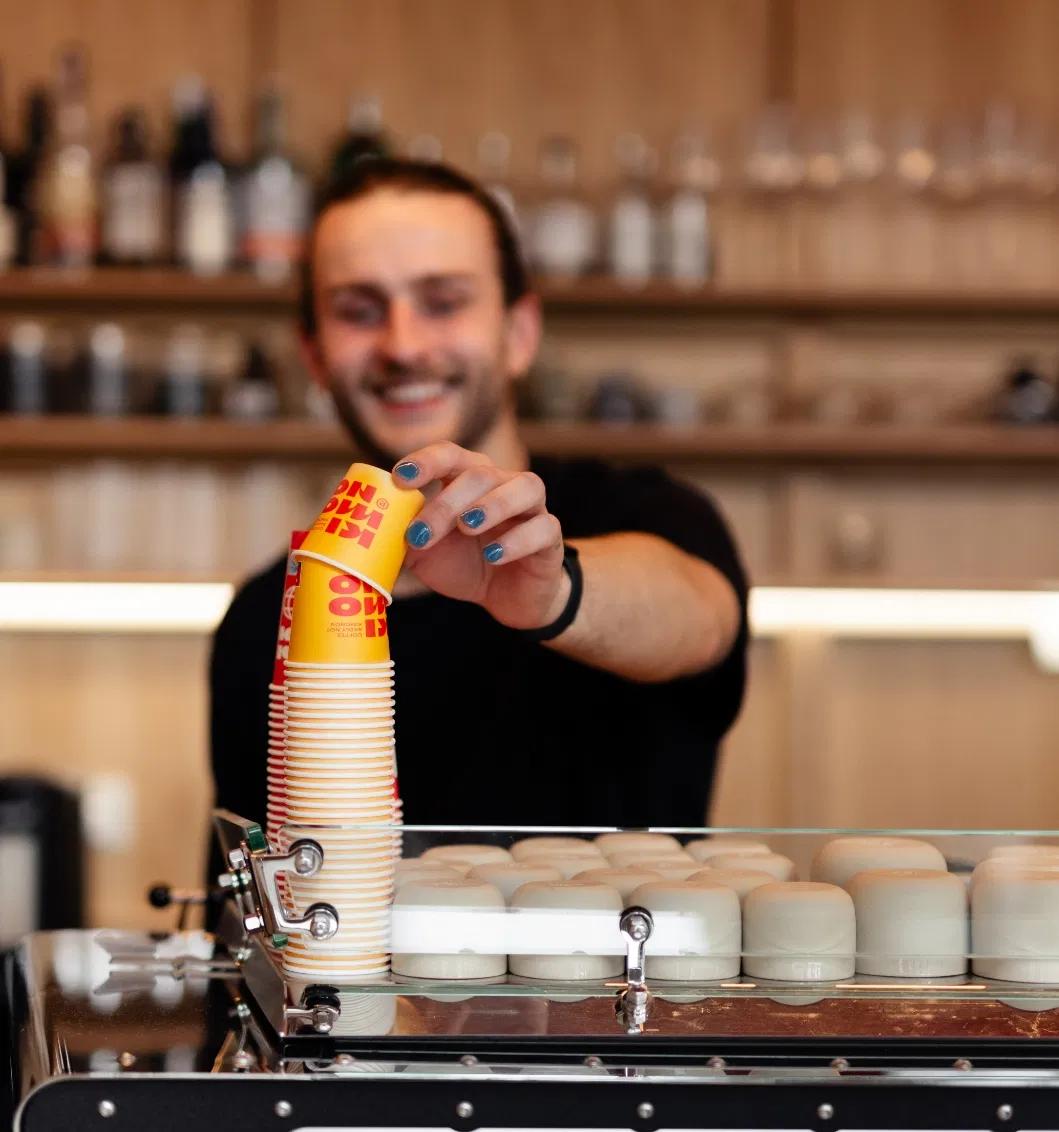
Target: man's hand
486 536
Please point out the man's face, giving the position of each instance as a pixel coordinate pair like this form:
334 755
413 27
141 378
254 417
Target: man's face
413 340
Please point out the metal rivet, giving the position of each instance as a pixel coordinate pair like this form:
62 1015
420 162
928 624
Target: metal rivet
645 1110
242 1060
126 1060
345 1059
465 1110
1005 1112
841 1064
468 1059
107 1108
283 1108
962 1063
717 1063
593 1062
825 1111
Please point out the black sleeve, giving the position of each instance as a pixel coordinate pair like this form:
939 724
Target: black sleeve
239 674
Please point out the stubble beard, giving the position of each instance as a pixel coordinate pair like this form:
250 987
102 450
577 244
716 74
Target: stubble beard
480 416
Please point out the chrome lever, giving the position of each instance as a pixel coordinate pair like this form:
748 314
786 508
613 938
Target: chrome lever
636 925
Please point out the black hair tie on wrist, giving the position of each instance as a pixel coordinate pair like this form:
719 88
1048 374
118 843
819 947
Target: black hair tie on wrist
572 566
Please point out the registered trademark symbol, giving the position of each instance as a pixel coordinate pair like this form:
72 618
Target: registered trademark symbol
382 504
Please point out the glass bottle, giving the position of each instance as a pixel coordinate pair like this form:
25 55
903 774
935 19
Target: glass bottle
494 169
7 219
203 210
133 196
564 238
275 197
23 177
364 136
687 238
68 192
632 217
253 397
108 376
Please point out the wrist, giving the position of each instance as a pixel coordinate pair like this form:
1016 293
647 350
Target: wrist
566 603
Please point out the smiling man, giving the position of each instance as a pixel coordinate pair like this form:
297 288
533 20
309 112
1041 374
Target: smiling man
569 639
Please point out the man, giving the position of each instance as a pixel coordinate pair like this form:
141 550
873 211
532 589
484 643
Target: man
569 640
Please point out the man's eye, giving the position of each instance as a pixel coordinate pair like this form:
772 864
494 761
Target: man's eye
359 314
441 305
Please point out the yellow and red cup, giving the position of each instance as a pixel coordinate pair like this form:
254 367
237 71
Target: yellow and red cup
362 527
337 618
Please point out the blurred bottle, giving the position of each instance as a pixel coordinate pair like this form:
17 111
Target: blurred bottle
687 239
254 396
68 194
618 399
23 176
494 170
183 390
202 200
7 219
426 148
1026 396
632 216
564 239
275 197
108 386
25 372
364 137
133 196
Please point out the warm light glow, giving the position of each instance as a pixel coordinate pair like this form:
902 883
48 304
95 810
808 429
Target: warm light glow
196 607
114 607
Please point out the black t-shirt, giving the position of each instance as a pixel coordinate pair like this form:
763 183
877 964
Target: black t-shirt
493 729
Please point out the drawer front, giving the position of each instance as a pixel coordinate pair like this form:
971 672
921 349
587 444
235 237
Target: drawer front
928 528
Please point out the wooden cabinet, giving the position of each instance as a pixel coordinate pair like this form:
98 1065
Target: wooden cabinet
975 527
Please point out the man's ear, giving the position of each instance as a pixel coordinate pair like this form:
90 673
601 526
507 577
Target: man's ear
522 335
309 350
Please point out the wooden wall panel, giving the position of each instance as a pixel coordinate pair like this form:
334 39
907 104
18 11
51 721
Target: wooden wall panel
938 56
531 67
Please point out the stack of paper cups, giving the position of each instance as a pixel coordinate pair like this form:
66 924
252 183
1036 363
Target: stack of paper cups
339 764
277 715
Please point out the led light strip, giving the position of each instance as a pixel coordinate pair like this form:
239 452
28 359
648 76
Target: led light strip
197 607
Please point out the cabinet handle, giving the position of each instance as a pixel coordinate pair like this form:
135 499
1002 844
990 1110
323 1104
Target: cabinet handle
856 542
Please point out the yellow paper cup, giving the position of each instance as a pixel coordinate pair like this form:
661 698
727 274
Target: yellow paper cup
337 618
361 529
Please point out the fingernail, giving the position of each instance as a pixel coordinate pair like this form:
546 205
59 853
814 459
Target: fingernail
493 552
408 470
418 534
473 518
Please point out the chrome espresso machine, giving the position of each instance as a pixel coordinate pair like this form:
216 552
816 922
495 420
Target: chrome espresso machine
118 1030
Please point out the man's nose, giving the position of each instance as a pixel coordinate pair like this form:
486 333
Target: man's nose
404 337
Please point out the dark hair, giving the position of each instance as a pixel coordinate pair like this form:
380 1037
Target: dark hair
373 173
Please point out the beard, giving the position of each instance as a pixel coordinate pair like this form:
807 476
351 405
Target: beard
483 395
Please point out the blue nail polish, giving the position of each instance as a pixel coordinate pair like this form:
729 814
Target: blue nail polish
473 518
408 470
418 534
493 552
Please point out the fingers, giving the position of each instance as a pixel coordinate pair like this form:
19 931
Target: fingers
435 462
480 499
439 516
542 534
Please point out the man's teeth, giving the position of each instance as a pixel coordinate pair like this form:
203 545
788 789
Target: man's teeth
413 394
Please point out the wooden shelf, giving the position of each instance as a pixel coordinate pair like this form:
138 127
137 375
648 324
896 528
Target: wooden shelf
165 288
69 437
